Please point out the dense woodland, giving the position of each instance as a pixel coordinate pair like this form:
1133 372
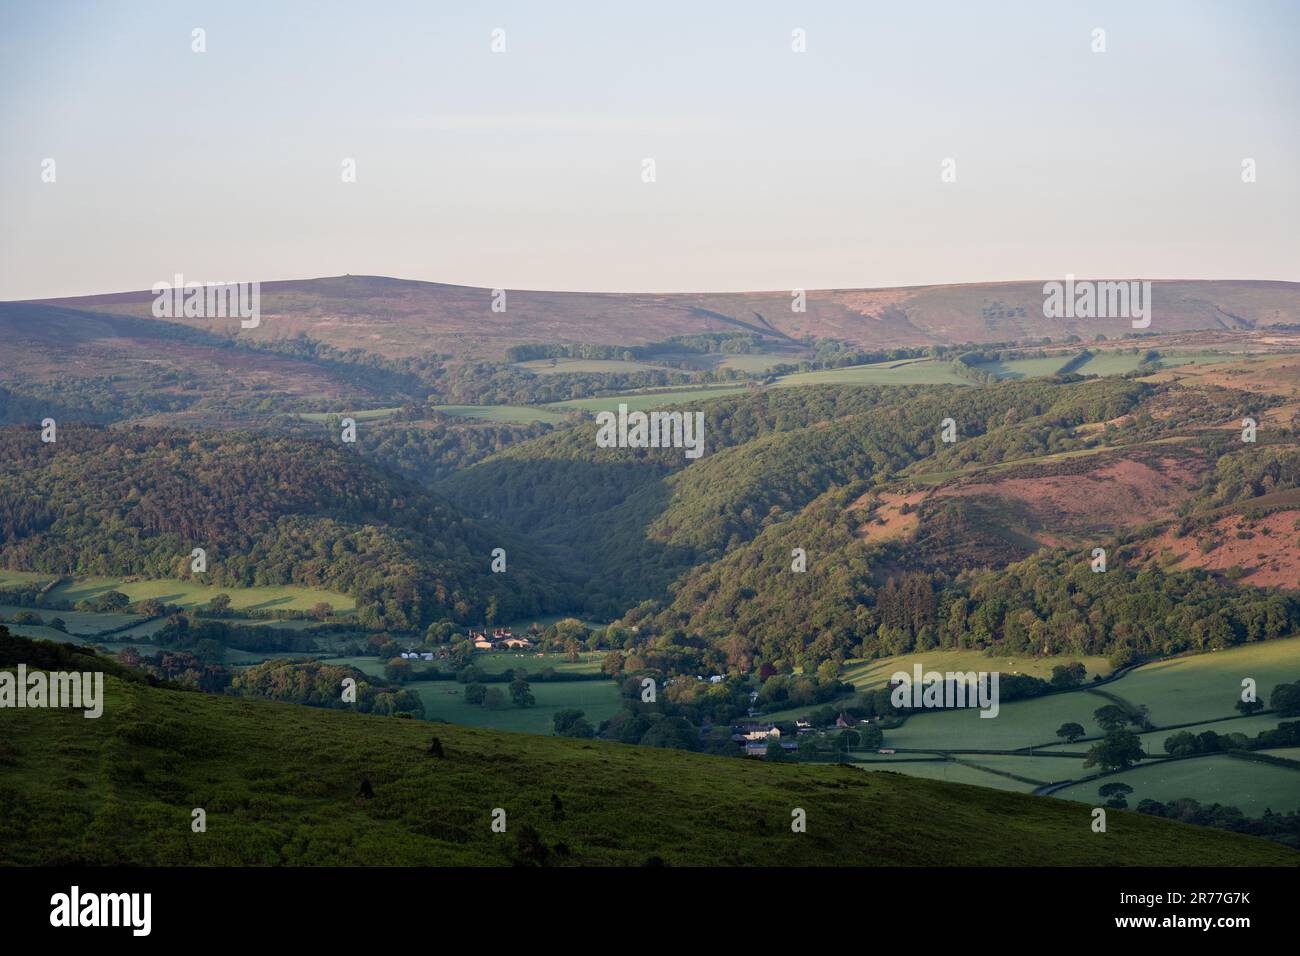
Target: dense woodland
266 509
694 555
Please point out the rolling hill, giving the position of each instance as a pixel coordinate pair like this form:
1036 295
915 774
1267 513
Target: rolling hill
266 510
398 317
282 785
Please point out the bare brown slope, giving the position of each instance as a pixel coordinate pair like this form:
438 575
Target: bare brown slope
397 317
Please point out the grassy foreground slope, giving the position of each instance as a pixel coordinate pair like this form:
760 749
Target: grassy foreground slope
279 784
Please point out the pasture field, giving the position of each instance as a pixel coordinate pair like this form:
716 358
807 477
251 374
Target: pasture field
947 770
1202 687
10 579
1016 369
1020 723
494 662
867 674
288 597
1253 787
903 372
77 622
1039 767
641 401
1153 742
544 366
507 414
37 631
755 363
445 700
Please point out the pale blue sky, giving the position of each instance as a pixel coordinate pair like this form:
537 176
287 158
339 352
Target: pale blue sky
522 169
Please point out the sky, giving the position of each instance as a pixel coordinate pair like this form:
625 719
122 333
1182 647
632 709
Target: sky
525 168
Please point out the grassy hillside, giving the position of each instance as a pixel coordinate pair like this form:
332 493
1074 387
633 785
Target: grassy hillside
279 784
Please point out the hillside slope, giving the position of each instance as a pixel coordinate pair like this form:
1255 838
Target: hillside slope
398 317
266 510
279 784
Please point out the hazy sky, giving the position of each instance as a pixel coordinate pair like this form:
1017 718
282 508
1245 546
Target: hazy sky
523 169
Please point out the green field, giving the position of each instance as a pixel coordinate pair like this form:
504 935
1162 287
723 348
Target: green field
494 662
978 770
640 401
1199 688
544 366
876 673
1205 686
1253 787
445 700
1018 368
288 597
1020 723
508 414
77 622
755 363
1154 741
906 372
279 783
11 579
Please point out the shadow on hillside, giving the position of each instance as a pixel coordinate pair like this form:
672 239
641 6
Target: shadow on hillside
588 520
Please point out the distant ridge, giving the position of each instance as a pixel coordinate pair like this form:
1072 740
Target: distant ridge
400 317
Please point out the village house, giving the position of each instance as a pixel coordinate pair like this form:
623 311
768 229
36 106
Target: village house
755 731
760 749
502 637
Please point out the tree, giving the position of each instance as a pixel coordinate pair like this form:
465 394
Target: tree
1110 717
219 605
116 601
1068 675
520 694
398 670
1118 750
774 750
571 722
323 609
1070 732
871 737
1249 707
1286 699
1115 794
675 733
1180 744
474 693
494 699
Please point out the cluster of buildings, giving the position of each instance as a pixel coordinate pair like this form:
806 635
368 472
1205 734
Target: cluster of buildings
501 639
